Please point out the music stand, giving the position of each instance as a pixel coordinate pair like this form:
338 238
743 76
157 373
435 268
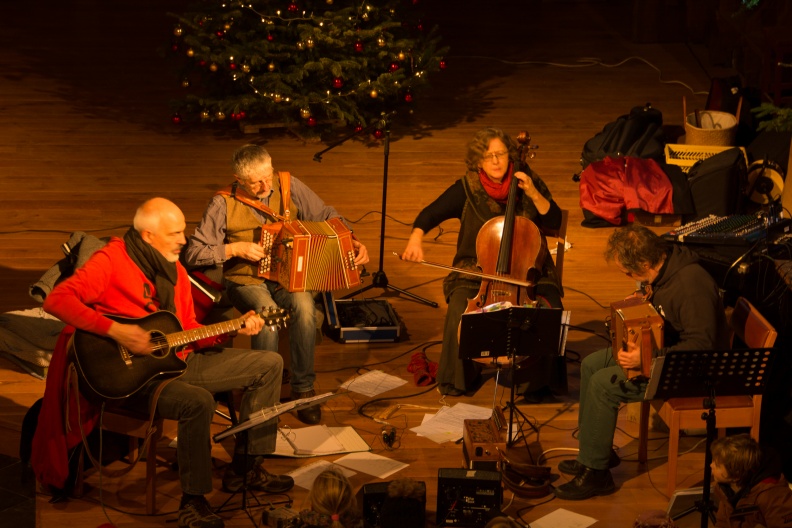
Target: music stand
512 332
253 420
703 373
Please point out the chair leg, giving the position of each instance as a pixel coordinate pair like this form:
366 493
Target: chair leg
643 432
673 453
151 475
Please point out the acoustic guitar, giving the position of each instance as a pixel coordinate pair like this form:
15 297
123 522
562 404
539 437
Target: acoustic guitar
110 371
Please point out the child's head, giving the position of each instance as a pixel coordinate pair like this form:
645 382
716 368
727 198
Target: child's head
332 495
734 459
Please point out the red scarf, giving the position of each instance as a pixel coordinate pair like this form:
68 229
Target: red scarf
497 191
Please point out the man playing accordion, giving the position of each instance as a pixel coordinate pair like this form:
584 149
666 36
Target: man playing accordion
687 298
229 234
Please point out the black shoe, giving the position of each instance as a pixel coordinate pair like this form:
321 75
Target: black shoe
195 513
572 467
258 479
588 483
310 415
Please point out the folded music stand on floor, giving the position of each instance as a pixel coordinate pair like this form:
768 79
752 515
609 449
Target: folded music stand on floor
705 374
512 332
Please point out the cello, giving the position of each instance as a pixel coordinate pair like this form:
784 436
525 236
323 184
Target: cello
509 275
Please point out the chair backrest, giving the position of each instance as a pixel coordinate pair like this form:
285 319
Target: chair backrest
750 326
560 234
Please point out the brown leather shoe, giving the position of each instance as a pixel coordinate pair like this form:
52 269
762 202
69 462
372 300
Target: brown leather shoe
310 415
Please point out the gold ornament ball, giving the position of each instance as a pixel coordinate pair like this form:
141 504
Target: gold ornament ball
246 68
300 45
204 115
185 83
329 2
177 31
213 67
401 55
277 98
271 66
380 42
305 113
309 43
227 26
220 115
190 52
373 94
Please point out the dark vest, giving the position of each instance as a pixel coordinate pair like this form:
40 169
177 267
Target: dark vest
243 226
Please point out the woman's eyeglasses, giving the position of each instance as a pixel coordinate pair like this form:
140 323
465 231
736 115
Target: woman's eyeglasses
495 156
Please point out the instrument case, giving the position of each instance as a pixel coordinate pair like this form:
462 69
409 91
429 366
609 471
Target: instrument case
360 320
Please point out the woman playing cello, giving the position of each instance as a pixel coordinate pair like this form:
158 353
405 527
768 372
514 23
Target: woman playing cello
493 160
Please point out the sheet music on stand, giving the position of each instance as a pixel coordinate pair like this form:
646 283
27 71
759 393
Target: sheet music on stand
276 410
496 333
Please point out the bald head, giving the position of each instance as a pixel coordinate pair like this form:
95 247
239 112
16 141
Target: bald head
161 223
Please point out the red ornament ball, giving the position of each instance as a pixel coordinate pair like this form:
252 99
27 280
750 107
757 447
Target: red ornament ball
358 129
393 67
311 121
270 37
358 46
242 114
338 82
293 7
233 66
443 64
220 33
408 98
379 134
176 119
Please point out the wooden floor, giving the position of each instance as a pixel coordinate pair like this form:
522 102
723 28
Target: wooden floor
85 136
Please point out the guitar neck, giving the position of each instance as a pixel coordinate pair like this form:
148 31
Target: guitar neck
203 332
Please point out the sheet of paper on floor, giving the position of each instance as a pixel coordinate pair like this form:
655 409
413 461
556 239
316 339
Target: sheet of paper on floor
371 464
373 383
304 476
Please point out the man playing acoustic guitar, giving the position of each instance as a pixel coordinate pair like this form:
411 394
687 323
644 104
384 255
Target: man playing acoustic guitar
687 298
135 277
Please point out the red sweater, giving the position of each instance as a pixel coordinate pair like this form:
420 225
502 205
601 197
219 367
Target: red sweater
108 283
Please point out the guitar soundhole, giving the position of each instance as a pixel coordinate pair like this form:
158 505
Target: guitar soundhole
160 344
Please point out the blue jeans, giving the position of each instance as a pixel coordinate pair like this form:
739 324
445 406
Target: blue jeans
603 388
302 324
190 401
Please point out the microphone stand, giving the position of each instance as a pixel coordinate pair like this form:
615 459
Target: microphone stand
379 279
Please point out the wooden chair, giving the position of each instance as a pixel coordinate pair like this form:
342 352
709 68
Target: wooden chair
559 234
137 426
752 329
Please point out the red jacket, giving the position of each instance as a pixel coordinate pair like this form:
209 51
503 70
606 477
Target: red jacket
612 186
108 283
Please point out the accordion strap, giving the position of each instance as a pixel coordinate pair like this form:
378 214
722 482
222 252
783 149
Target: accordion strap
239 194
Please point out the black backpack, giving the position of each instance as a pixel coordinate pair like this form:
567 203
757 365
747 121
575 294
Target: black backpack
639 134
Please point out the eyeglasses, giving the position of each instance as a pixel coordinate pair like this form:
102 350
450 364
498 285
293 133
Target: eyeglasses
495 156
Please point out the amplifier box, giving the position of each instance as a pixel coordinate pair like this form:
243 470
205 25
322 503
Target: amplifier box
360 320
467 497
374 495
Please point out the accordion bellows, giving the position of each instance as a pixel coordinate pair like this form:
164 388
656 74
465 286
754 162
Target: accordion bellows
309 256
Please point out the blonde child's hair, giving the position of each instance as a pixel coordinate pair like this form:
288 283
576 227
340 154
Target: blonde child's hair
332 495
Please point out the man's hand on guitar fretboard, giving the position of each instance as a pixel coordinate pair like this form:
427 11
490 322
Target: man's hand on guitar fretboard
253 323
132 337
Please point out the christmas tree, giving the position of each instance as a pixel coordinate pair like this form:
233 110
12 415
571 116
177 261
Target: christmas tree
311 64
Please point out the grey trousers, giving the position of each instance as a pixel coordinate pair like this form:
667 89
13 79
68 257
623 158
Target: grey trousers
603 388
190 401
